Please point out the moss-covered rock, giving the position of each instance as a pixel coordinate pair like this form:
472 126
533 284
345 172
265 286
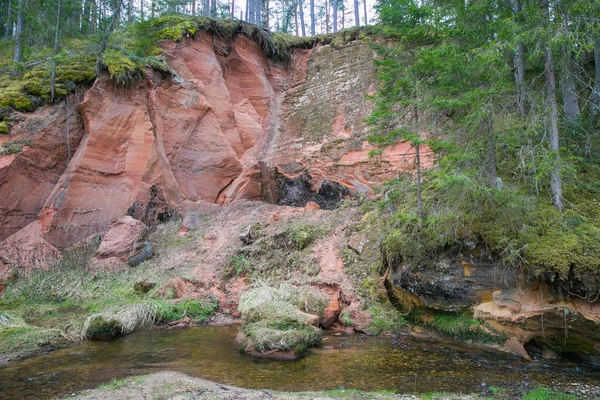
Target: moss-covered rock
282 335
101 327
274 321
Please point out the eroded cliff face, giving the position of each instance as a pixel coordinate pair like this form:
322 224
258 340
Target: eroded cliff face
50 137
230 125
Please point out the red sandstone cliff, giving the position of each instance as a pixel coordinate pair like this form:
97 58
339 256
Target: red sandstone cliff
231 125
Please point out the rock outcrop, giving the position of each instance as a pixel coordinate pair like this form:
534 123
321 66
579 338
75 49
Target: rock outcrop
230 125
122 243
524 312
52 135
455 280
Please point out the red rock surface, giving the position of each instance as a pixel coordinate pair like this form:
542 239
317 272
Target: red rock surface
220 131
28 177
121 239
26 249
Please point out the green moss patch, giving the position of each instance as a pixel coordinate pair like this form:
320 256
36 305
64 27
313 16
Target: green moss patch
27 338
14 146
198 310
384 318
462 327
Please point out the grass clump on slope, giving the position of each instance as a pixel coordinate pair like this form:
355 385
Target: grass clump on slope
283 255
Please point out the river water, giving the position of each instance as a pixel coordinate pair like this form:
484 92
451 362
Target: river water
405 364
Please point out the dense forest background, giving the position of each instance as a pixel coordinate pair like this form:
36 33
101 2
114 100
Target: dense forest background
505 93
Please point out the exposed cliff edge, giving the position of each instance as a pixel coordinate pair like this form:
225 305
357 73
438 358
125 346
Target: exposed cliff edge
231 125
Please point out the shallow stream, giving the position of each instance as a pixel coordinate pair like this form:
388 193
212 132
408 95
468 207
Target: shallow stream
405 364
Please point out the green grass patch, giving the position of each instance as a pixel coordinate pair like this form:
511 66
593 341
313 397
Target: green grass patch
237 265
14 146
198 310
385 318
298 237
70 301
282 255
28 339
462 327
263 294
542 393
345 319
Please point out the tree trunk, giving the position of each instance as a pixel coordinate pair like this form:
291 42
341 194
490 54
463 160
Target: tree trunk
312 18
142 10
114 21
418 162
492 151
266 19
296 20
569 88
9 28
193 7
257 11
365 11
130 11
334 5
327 16
519 65
55 51
595 108
93 17
19 32
207 8
86 20
213 8
555 179
250 11
301 12
356 14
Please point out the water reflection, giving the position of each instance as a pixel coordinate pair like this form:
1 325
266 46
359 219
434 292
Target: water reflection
210 352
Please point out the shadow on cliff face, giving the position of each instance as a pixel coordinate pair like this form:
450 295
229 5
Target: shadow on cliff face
154 211
299 190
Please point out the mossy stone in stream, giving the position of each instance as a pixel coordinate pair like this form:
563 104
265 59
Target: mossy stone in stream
282 334
103 328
